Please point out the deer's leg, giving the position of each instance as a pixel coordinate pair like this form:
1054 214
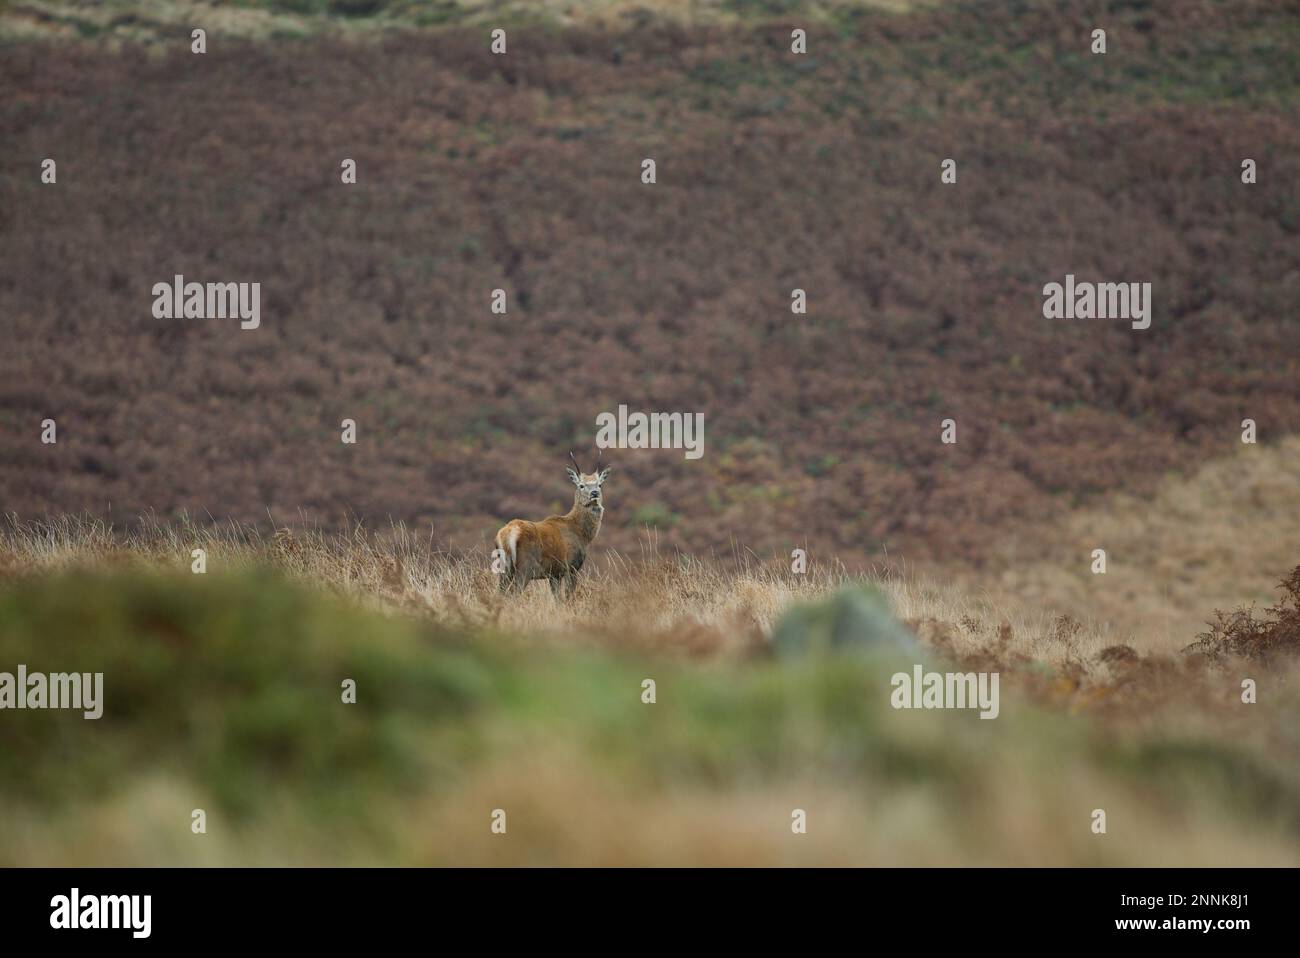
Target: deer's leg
570 583
521 572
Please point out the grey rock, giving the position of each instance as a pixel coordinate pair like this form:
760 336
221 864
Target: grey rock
856 618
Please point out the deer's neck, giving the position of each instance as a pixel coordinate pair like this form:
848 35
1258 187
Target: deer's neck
586 522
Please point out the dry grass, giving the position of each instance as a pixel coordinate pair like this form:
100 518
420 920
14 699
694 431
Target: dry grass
649 601
679 607
1218 538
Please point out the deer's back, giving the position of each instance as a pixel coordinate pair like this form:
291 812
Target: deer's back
551 543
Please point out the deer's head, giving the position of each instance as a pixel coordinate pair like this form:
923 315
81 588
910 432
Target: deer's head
587 494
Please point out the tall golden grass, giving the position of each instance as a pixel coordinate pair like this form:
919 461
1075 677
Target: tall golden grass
649 600
1219 537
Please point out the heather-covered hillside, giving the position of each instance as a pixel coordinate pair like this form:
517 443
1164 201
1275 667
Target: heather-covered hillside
775 172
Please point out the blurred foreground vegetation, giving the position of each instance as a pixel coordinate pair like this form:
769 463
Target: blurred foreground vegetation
223 692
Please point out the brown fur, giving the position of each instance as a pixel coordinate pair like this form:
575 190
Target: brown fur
556 547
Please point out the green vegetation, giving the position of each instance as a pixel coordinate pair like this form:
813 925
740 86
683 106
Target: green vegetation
975 60
654 515
227 687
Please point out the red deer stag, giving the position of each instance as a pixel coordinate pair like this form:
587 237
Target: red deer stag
555 548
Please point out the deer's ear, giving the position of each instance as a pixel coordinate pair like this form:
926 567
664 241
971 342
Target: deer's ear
604 474
574 477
